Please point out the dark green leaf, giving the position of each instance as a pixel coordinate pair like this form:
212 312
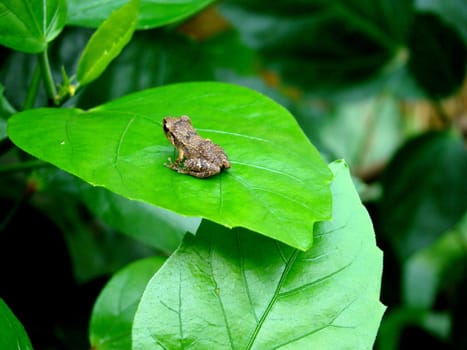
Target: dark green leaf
94 248
438 56
12 334
232 289
29 25
152 58
153 13
278 184
107 42
424 191
325 46
155 58
157 227
114 310
5 109
452 11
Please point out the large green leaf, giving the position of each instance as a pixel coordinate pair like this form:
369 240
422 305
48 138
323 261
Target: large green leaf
28 25
107 42
278 184
232 289
153 13
12 333
113 312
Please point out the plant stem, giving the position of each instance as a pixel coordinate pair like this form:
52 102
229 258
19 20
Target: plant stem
47 75
33 88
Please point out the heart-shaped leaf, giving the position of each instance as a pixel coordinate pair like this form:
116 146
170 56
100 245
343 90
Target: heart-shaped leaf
28 25
236 290
278 184
153 13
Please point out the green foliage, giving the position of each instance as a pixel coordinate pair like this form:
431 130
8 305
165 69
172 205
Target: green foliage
107 42
12 333
114 310
29 26
276 251
218 290
121 146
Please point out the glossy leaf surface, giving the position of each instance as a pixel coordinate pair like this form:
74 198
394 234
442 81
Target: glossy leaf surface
153 13
28 25
232 289
278 184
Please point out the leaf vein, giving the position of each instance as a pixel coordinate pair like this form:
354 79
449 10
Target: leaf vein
119 146
219 299
214 131
312 283
245 279
274 171
273 300
329 324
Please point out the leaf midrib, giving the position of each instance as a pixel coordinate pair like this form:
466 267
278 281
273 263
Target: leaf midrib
273 300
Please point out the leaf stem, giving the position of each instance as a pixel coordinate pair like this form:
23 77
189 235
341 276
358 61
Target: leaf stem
33 88
47 75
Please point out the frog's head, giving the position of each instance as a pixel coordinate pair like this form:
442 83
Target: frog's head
174 127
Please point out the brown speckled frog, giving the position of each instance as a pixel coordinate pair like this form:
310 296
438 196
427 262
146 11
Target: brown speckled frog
196 156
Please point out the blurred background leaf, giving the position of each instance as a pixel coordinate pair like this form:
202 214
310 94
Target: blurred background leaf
424 191
28 26
438 56
440 265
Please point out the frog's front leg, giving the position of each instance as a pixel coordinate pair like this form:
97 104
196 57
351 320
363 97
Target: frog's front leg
175 165
200 167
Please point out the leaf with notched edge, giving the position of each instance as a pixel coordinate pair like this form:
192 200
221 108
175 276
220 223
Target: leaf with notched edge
233 289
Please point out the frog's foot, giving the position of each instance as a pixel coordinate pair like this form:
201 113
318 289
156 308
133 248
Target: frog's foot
175 166
169 163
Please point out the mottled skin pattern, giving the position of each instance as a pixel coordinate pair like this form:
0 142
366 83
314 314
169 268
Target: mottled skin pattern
196 156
